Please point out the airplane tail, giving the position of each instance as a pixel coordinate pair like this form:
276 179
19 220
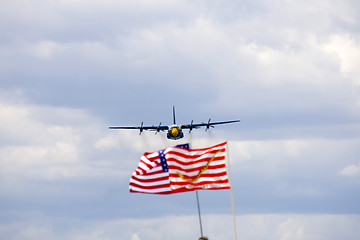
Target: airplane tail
174 114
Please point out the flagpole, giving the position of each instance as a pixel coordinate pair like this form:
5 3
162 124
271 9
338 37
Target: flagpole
231 191
198 205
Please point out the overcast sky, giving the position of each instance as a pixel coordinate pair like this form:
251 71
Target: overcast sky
290 70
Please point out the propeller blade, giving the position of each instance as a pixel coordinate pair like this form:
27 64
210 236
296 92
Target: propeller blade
158 128
141 128
208 125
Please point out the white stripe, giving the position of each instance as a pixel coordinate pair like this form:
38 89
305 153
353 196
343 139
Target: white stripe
205 186
195 162
200 180
193 152
148 161
142 167
212 184
148 184
138 173
153 154
157 190
143 179
196 172
197 156
196 165
155 169
154 176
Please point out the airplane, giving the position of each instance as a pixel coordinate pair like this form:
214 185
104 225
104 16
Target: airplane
175 131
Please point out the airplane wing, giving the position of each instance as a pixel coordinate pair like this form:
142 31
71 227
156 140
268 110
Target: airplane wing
207 125
141 128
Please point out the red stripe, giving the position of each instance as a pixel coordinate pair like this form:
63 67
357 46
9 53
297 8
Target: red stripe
149 187
209 175
183 158
177 168
153 158
161 193
191 156
201 183
154 173
181 190
150 179
146 164
188 163
221 145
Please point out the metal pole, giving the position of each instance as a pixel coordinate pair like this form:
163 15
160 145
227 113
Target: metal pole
198 205
231 192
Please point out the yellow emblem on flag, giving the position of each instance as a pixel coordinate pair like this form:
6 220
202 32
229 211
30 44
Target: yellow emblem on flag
200 172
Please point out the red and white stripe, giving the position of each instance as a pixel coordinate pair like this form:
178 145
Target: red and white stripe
150 178
189 162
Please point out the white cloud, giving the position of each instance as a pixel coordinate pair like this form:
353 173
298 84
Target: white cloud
291 229
47 49
27 231
347 50
257 227
287 69
46 142
350 171
304 168
135 237
261 149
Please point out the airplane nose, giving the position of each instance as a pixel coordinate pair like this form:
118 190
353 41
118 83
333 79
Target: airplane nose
174 132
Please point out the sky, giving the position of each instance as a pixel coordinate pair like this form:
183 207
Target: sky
289 70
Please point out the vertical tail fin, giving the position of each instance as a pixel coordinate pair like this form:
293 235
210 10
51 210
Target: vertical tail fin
174 114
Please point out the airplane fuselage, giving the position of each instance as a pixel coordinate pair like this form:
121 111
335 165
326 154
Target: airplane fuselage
175 132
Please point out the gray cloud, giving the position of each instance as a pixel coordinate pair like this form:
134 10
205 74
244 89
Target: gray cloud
68 69
270 226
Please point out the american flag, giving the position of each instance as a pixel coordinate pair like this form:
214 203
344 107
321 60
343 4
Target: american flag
180 169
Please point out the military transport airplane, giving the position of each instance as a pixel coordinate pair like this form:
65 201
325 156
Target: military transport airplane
174 131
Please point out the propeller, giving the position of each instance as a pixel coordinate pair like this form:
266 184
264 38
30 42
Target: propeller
208 125
191 126
141 128
158 128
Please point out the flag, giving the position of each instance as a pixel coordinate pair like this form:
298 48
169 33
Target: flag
180 169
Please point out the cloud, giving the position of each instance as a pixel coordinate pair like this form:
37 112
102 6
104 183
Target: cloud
44 145
289 173
47 49
69 69
286 58
350 171
135 237
55 152
256 226
347 50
